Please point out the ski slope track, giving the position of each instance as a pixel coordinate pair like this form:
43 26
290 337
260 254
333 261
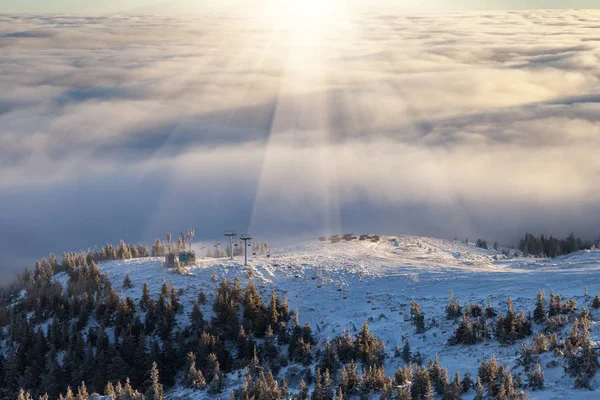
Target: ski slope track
337 286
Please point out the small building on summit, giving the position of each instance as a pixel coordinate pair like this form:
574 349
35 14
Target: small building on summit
187 257
177 255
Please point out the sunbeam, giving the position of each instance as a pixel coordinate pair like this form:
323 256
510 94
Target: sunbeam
303 113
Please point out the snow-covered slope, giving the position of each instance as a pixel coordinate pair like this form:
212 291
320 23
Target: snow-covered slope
338 286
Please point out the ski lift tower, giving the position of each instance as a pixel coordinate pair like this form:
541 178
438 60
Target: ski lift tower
191 235
244 238
168 242
230 235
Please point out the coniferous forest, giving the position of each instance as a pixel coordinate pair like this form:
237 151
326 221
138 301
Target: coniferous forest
553 247
73 339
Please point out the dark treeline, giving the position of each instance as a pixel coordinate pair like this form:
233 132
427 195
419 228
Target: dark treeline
552 247
84 337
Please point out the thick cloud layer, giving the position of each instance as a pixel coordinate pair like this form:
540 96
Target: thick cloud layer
468 125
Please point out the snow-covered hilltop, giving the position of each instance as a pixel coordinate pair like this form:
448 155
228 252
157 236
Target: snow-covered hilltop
338 286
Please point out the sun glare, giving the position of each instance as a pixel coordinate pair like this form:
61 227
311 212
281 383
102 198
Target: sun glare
303 13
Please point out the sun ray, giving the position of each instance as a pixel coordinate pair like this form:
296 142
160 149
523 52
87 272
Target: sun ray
302 124
247 50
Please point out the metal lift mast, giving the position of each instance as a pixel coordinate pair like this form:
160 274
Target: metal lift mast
230 234
245 239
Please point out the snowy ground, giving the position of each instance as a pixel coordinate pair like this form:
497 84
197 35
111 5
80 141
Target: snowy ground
338 286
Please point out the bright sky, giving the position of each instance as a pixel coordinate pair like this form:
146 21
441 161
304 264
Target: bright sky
244 5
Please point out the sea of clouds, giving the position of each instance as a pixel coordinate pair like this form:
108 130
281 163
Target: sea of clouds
463 124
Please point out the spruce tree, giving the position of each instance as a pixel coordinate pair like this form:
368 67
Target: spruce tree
421 387
155 389
158 249
127 282
467 382
164 289
406 355
369 349
317 393
596 301
254 310
82 393
555 304
69 395
109 390
349 380
201 297
303 353
270 350
417 317
175 305
303 394
51 380
479 390
329 359
539 313
23 395
327 385
453 307
273 311
194 379
455 390
284 389
196 318
146 300
123 253
490 312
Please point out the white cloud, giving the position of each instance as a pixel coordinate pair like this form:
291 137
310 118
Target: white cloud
489 113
